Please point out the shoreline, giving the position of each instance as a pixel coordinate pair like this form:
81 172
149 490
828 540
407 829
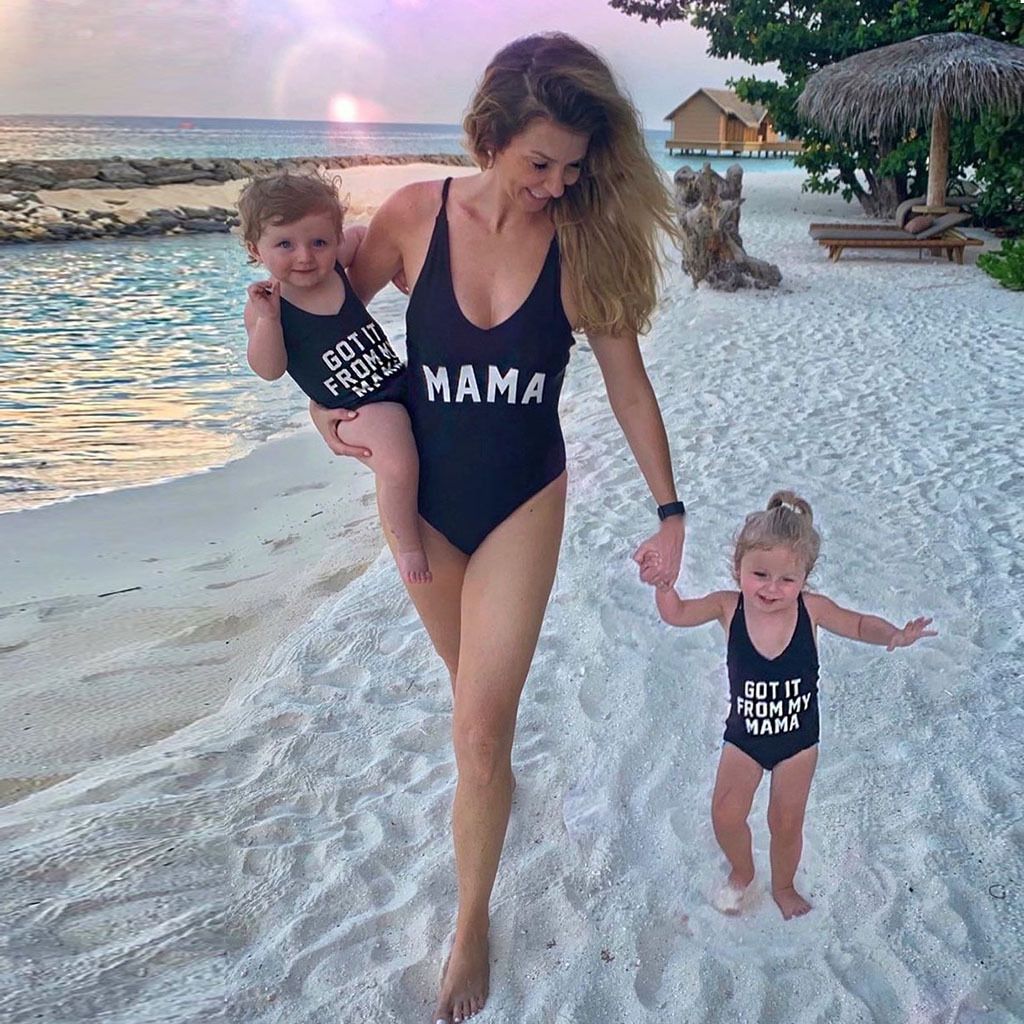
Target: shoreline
134 612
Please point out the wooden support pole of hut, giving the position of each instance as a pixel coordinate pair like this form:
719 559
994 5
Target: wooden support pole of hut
938 158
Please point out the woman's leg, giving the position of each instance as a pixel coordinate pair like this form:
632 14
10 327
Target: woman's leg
738 777
439 606
791 784
504 596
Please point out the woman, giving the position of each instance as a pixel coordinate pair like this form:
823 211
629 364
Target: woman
558 230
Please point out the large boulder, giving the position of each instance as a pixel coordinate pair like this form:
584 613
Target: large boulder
31 175
118 172
73 170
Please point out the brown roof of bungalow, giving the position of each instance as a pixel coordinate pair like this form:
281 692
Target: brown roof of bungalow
749 113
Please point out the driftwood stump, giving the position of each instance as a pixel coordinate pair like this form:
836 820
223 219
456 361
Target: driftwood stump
708 208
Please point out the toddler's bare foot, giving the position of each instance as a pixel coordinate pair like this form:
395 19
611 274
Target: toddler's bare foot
466 981
790 902
729 898
413 567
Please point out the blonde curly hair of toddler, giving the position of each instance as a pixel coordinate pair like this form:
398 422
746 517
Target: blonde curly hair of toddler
786 522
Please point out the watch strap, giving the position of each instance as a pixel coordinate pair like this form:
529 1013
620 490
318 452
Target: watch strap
673 508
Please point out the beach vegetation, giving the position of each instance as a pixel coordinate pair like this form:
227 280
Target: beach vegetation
801 38
1006 265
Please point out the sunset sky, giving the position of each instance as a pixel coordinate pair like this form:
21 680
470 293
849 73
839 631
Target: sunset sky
366 60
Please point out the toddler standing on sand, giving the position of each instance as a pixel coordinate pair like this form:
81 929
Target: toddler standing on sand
772 657
307 320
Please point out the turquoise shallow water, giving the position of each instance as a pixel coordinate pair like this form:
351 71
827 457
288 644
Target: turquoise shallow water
123 362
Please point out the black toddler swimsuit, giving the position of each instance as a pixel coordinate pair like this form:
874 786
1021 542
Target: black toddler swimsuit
773 702
342 360
483 403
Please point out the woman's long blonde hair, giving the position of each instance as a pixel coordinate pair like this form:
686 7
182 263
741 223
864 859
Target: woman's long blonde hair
608 222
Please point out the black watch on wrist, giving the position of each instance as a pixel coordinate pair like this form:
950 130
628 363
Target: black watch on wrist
673 508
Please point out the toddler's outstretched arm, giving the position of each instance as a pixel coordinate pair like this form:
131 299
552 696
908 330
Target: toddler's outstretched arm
696 611
869 629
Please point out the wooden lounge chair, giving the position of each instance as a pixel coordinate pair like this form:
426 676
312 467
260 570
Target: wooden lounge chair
939 236
905 213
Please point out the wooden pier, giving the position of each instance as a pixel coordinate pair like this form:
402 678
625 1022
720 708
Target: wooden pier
733 147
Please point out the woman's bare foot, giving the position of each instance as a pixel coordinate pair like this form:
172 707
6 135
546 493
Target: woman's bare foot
466 981
413 567
729 899
790 902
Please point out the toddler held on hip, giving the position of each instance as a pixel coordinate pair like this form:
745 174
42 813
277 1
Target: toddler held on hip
306 320
772 656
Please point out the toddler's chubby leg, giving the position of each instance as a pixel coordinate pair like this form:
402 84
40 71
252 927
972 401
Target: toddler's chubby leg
791 784
735 785
383 427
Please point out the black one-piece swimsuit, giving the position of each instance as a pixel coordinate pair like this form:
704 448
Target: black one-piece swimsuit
483 402
773 702
342 360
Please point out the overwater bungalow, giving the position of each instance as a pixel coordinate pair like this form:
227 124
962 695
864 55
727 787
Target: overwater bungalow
718 121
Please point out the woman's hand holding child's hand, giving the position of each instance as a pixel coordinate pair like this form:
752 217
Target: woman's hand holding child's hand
265 297
660 556
913 631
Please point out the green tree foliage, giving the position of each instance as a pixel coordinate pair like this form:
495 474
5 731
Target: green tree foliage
802 37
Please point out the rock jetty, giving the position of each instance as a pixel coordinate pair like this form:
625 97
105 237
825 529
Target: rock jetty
27 216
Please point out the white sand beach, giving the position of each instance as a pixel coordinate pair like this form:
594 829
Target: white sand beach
126 615
285 857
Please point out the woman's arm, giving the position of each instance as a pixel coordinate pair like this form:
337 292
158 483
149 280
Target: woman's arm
380 252
695 611
351 239
636 408
870 629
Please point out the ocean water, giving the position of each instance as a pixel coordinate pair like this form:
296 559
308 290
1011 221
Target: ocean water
122 362
29 137
39 138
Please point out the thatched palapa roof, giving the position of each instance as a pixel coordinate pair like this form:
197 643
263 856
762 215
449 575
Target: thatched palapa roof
884 92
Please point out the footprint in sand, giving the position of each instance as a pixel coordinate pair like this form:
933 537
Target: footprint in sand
654 947
361 832
234 583
281 542
336 581
225 628
59 608
216 563
299 488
